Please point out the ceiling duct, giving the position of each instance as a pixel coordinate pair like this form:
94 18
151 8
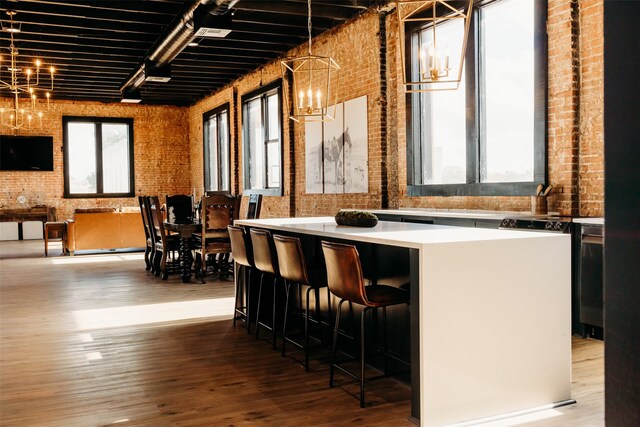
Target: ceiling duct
156 73
211 26
131 96
180 33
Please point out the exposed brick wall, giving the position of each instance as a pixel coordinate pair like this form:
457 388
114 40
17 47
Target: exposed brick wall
161 157
591 159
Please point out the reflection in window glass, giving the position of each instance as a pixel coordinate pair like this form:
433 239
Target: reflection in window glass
223 138
82 158
274 164
274 122
507 79
256 145
442 115
211 153
115 158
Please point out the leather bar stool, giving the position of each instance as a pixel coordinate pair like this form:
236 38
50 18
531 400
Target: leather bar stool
244 260
265 261
293 269
345 280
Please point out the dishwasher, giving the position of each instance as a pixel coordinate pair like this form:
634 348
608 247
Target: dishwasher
591 280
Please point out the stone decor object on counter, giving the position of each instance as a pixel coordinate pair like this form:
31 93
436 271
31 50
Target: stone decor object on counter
356 219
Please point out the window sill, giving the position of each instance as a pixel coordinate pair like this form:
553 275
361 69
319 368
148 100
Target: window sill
263 191
475 189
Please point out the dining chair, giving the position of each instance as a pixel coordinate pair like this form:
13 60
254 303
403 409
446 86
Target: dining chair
253 208
217 213
346 282
143 201
179 208
165 254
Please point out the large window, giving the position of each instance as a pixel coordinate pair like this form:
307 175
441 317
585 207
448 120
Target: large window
216 149
98 157
262 130
489 136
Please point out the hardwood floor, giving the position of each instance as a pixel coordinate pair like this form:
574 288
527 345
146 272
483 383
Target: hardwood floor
95 340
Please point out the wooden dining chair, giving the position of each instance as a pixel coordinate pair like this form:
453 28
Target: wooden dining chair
165 252
253 208
179 208
217 213
148 232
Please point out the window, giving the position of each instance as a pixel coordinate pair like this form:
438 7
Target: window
262 130
216 149
488 137
98 157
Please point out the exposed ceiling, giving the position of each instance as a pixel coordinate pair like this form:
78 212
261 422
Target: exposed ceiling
98 46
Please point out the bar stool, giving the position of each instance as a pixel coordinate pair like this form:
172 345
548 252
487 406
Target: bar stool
265 261
345 280
243 259
59 227
293 269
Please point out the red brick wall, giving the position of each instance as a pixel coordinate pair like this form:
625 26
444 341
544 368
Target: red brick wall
161 157
591 159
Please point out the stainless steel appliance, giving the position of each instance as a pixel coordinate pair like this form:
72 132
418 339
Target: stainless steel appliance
591 294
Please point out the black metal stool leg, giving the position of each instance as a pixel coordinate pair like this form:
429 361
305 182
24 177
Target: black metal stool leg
362 354
259 304
273 314
286 315
235 304
248 305
306 332
335 343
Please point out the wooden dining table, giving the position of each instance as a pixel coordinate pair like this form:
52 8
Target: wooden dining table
185 231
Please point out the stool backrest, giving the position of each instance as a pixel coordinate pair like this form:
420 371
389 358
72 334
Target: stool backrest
291 259
265 257
344 272
239 246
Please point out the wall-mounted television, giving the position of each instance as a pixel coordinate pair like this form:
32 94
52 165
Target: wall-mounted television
26 153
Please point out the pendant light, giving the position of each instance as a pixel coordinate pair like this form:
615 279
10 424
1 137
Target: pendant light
313 82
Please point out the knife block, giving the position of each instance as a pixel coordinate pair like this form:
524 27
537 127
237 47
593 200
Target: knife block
539 205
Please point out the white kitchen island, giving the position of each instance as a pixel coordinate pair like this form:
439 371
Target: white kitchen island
490 314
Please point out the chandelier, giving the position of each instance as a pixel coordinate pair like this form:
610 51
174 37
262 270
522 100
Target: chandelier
23 85
434 27
313 79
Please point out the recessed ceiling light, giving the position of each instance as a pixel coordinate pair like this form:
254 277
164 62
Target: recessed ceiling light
193 44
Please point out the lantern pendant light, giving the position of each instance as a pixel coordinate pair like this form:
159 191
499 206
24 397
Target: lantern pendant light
313 82
437 29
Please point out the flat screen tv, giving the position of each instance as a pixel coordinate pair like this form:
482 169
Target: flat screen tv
26 153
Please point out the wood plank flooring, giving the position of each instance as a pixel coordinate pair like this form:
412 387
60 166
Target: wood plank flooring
95 340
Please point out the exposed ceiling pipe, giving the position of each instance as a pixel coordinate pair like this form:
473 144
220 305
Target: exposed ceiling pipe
177 38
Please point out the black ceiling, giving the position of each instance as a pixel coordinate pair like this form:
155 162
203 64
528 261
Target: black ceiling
96 46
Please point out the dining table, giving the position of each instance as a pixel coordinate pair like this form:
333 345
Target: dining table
185 231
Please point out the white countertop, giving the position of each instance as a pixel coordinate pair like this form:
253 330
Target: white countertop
591 221
404 234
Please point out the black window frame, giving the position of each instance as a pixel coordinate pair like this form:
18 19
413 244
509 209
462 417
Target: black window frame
473 185
97 121
217 112
263 92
